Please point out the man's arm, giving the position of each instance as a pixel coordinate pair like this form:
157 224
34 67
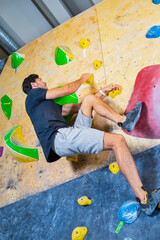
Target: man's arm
106 90
67 89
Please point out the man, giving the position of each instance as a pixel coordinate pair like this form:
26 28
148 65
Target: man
58 139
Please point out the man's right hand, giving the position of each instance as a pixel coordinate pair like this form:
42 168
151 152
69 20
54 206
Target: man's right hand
84 77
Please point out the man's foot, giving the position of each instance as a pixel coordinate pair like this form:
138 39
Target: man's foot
131 118
151 201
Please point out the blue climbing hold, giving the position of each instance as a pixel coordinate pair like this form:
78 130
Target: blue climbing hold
156 1
129 211
154 32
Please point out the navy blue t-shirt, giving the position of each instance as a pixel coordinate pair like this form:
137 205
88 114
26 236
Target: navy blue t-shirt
46 117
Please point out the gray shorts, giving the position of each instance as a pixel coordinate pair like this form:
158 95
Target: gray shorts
80 138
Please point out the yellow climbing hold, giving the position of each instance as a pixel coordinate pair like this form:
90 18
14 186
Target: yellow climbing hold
114 93
90 80
97 64
159 205
84 43
72 158
84 201
114 168
79 233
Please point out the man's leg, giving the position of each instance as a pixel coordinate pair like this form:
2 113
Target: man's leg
69 109
117 143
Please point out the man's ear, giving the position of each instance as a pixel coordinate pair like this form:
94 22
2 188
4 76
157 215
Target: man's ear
34 84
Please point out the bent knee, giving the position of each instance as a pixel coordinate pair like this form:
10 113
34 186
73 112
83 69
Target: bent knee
89 98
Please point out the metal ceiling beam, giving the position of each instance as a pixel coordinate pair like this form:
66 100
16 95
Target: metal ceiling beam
47 14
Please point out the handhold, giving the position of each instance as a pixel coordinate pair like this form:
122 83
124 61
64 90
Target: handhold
114 93
84 201
18 147
66 100
97 64
79 233
90 80
1 151
156 1
154 32
129 211
72 158
114 168
6 104
63 55
146 90
84 43
17 59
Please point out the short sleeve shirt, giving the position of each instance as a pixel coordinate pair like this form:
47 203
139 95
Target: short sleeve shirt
46 117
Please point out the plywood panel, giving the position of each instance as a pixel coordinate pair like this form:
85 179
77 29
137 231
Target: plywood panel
123 26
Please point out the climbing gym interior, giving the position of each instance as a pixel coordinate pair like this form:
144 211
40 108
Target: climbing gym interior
85 197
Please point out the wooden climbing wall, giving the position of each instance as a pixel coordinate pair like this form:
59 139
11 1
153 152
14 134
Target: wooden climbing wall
116 30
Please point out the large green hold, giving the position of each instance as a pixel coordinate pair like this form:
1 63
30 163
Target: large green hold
17 59
6 104
66 100
63 55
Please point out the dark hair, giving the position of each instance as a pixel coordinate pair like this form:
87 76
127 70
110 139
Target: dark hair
26 85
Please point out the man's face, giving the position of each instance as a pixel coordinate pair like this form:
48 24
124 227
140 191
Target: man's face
40 84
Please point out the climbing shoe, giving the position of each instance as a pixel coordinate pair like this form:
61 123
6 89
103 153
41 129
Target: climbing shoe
131 118
151 201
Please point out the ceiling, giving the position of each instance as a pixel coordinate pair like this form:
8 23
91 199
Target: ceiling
23 21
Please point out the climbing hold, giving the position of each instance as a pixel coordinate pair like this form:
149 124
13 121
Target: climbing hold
129 211
97 64
156 1
154 32
114 93
18 147
159 205
114 168
6 105
66 100
84 201
84 43
63 55
79 233
17 59
1 151
90 80
72 158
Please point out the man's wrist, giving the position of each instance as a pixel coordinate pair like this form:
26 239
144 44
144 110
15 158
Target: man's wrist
102 93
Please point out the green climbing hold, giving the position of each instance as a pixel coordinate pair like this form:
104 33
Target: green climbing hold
66 100
63 55
6 105
17 59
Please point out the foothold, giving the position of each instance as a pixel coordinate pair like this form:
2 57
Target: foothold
6 104
18 147
129 211
154 32
17 59
156 1
79 233
66 100
90 80
72 158
114 168
159 205
1 151
114 93
84 43
84 201
97 64
63 55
